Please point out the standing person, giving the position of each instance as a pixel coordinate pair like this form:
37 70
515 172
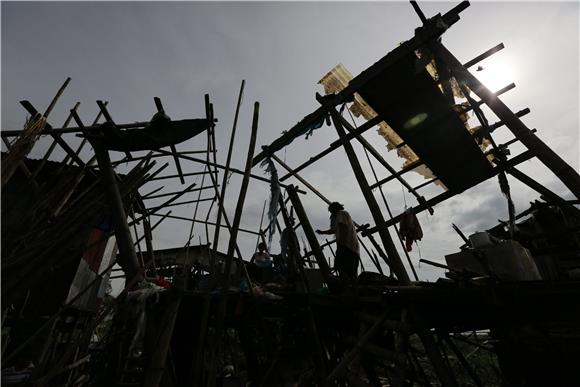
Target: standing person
347 250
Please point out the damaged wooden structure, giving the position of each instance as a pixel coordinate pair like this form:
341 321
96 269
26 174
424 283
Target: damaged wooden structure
196 316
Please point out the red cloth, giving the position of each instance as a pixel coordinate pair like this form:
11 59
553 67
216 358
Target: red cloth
161 281
410 229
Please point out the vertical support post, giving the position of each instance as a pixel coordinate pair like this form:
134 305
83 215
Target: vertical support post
394 258
122 232
128 260
309 232
241 197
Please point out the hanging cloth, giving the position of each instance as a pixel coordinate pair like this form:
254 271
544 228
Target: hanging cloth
410 229
275 191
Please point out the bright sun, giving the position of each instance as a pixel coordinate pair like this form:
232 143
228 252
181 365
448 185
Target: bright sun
494 75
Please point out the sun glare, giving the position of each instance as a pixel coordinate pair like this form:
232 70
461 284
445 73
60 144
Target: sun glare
494 75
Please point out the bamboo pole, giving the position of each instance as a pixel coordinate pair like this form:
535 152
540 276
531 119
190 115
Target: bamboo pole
233 170
227 167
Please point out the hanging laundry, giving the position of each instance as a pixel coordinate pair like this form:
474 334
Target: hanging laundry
275 191
410 229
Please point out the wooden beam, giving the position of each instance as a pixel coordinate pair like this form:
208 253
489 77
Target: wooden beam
301 179
447 194
291 134
309 233
204 222
334 145
481 57
233 170
150 196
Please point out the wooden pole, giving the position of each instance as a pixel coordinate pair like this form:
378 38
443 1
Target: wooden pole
333 146
227 167
129 260
297 176
233 170
310 235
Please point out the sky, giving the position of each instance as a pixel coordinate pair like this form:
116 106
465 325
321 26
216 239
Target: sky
129 52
